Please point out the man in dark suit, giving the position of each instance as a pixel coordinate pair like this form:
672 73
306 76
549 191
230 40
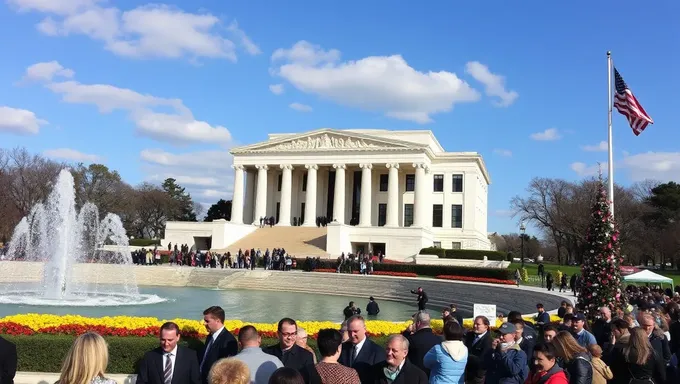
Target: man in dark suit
8 361
422 298
372 308
170 363
219 343
291 355
478 343
421 339
359 352
396 369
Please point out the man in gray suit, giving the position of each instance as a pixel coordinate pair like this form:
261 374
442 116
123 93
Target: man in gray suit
261 364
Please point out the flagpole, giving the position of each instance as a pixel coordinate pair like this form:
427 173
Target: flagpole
609 132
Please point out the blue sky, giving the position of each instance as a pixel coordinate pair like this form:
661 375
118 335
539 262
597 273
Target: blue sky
164 89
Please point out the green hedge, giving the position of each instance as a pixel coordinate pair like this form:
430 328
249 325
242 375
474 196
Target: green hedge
44 353
423 270
144 242
468 254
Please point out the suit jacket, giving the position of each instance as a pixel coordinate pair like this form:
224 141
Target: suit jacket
8 361
369 355
474 370
297 358
419 344
185 370
409 374
224 346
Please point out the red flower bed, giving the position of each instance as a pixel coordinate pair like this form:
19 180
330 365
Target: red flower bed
388 261
9 328
476 279
397 274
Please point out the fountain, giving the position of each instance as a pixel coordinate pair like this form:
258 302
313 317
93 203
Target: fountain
65 242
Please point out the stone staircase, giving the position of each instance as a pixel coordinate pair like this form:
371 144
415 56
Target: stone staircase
210 277
298 241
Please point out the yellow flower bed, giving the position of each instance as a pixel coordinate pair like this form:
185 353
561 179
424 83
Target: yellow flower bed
42 321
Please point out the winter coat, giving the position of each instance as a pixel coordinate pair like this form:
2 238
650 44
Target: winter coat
446 362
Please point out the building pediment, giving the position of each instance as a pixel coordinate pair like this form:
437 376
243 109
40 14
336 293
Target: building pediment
328 140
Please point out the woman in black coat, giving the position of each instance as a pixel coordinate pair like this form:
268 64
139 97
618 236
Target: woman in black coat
636 362
573 358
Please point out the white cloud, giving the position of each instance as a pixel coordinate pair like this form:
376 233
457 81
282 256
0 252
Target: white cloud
494 84
663 166
47 71
71 155
550 134
503 152
502 213
245 41
585 170
276 89
376 83
603 146
300 107
178 126
153 30
19 121
207 175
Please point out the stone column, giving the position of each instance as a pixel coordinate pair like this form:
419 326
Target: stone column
286 190
392 195
249 197
365 204
261 197
310 199
339 199
237 199
420 199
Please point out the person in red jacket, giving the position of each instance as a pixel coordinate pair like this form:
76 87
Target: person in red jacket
546 370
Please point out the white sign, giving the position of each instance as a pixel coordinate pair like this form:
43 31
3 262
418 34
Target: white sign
486 310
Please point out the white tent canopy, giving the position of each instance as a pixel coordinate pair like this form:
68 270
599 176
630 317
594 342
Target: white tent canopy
647 276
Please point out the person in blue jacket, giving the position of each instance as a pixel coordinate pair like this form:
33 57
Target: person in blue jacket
447 360
506 363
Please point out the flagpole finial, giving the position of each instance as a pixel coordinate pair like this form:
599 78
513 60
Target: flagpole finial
609 53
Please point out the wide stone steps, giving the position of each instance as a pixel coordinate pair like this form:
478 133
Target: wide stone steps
298 241
209 277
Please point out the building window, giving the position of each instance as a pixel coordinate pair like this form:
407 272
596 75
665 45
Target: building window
408 215
437 244
456 216
438 183
437 215
304 183
279 182
383 182
410 182
382 215
457 183
456 245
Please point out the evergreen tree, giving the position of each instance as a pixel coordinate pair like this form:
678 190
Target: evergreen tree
601 283
183 207
219 210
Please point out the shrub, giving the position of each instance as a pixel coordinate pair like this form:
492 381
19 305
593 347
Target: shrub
44 353
465 254
433 251
144 242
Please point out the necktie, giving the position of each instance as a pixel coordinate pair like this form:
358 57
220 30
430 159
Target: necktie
477 337
167 372
353 355
207 348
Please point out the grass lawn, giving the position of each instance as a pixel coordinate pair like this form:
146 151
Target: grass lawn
532 269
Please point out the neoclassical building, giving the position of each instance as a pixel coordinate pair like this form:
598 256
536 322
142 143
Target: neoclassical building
388 191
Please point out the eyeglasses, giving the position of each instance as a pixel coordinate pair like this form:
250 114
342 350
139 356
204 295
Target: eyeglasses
291 334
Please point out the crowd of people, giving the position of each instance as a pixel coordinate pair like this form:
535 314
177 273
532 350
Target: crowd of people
638 344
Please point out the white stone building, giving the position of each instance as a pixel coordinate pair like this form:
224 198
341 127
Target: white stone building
388 191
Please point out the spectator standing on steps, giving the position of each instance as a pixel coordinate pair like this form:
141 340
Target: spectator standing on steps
422 298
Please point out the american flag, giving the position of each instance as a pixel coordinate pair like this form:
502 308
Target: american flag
627 105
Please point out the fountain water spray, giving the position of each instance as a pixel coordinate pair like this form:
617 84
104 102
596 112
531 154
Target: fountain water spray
61 238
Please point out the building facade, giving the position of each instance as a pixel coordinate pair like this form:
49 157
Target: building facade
374 186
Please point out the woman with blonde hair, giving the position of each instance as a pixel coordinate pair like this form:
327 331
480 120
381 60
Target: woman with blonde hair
573 358
636 361
229 371
86 361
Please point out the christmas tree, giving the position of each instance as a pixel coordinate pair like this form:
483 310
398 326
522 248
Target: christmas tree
601 270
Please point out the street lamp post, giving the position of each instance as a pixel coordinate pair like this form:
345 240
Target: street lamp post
522 229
